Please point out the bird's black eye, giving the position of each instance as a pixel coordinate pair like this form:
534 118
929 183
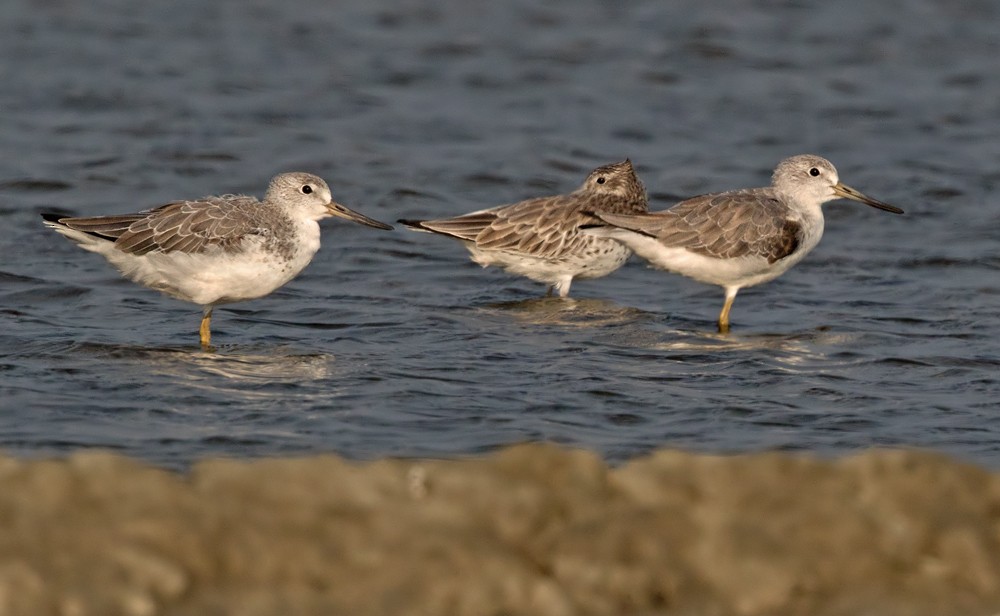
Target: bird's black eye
601 180
814 172
307 189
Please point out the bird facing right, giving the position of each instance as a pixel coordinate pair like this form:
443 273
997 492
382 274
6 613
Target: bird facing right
219 249
541 238
738 238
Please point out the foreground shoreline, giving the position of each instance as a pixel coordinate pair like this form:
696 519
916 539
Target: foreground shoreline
530 529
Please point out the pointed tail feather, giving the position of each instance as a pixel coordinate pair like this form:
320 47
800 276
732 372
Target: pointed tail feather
629 222
52 219
466 227
103 227
414 225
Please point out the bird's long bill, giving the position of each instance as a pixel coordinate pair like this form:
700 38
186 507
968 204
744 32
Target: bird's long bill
847 192
346 213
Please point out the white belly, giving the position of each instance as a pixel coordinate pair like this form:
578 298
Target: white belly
733 272
597 260
216 277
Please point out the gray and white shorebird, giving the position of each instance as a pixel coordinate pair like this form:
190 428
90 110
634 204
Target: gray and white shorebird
216 250
742 237
540 238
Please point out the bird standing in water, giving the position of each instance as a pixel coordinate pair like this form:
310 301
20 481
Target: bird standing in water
738 238
540 238
216 250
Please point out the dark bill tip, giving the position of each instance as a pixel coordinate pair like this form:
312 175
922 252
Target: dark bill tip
346 213
847 192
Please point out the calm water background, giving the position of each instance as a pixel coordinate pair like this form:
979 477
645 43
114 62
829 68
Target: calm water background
394 343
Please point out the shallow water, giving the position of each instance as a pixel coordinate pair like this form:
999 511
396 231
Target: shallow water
393 343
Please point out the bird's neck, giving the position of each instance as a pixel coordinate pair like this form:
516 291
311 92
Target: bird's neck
812 216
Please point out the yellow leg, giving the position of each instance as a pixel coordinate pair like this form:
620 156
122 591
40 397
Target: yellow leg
724 315
205 331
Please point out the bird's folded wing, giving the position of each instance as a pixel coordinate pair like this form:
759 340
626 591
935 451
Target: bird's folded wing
182 226
721 225
546 228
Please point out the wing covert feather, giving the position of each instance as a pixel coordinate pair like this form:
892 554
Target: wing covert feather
727 225
180 226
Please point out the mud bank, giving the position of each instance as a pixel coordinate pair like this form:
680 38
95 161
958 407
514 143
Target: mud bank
528 530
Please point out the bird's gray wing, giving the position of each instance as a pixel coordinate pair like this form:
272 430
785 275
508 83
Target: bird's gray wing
542 228
466 227
745 223
181 226
545 228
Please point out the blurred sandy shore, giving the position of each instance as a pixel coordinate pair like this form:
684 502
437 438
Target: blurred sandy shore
528 530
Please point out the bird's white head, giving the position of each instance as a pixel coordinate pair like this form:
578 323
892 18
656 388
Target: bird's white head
307 195
304 194
810 181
